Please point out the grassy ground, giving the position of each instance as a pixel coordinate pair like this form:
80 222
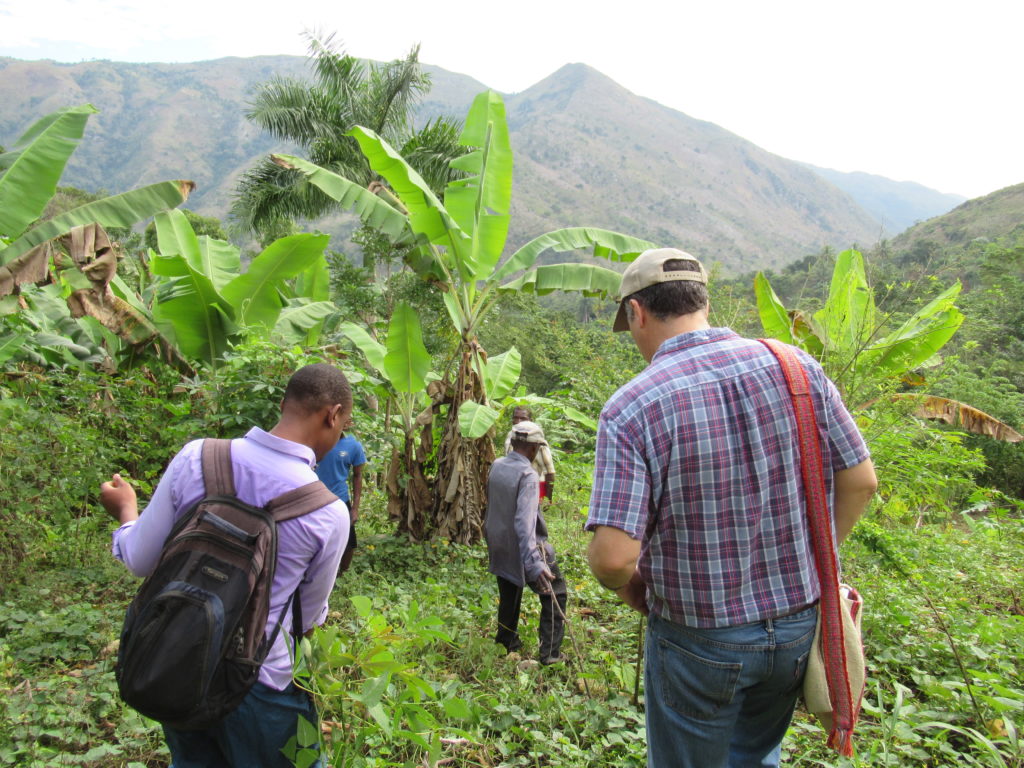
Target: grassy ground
407 673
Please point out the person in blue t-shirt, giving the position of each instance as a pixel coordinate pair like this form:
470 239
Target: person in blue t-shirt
333 469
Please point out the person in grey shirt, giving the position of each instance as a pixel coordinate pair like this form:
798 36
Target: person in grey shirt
518 548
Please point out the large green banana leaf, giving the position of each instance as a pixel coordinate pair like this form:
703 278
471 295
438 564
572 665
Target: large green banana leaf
481 200
475 419
256 295
121 210
427 216
912 347
314 284
605 243
200 319
502 372
372 210
848 317
588 279
368 345
298 317
406 361
218 260
774 318
35 164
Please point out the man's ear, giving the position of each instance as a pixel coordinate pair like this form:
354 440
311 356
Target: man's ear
332 415
639 312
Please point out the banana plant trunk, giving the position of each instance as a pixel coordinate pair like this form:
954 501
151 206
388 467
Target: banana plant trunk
409 494
460 493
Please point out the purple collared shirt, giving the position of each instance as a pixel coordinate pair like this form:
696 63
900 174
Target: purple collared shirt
697 457
309 548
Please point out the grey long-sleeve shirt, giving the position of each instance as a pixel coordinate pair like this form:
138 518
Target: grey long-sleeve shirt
515 528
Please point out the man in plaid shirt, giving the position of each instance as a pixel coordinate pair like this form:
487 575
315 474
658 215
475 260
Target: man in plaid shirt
699 519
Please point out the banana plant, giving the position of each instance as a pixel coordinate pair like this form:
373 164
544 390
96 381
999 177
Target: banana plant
205 302
848 336
404 365
458 245
70 250
29 174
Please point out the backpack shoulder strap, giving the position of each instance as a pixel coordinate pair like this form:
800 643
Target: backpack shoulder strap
218 475
300 501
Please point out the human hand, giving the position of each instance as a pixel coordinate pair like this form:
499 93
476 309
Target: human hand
353 512
543 581
118 497
634 593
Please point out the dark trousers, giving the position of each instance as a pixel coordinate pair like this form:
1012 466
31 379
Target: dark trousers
552 623
249 737
350 549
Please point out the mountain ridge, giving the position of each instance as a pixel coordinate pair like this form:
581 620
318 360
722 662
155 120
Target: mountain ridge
588 152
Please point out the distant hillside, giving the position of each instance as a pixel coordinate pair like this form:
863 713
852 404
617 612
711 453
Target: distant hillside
588 152
156 121
591 152
896 205
996 215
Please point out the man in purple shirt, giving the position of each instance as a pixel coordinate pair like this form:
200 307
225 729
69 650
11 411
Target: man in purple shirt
699 519
317 403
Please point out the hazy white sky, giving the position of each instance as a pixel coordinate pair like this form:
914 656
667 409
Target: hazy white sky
915 91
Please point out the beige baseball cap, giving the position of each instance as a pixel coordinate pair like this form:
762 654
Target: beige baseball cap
649 269
528 432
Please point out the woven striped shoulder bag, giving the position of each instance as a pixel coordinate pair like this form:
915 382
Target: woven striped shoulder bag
834 683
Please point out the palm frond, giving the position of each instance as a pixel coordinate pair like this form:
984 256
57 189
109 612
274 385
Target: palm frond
393 90
317 115
432 148
334 69
268 194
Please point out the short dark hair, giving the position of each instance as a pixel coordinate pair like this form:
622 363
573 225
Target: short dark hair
675 297
314 386
524 409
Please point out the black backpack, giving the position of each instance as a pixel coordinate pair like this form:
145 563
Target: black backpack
194 636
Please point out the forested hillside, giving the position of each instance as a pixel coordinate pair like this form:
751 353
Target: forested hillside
993 216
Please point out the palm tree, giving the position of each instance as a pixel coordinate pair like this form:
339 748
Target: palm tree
345 92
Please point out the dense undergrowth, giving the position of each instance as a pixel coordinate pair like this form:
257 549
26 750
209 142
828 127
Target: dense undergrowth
405 670
407 673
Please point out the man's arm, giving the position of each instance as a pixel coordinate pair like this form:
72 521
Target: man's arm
613 555
548 473
357 491
854 488
525 525
330 528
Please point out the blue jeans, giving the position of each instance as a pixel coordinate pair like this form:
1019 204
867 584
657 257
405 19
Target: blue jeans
723 697
249 737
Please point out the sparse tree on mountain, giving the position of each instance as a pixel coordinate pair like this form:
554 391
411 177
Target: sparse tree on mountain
316 115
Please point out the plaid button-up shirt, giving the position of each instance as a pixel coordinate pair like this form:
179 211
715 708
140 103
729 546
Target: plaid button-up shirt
697 457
